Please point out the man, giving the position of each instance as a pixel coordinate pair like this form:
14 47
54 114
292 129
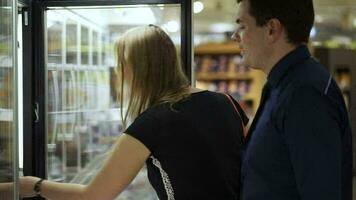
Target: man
299 144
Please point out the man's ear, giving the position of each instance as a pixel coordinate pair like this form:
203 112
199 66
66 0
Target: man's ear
274 30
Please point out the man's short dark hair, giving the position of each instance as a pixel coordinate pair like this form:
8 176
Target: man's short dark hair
297 16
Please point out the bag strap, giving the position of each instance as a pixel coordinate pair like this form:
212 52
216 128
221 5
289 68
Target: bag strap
244 128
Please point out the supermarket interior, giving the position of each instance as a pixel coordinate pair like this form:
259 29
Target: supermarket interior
59 114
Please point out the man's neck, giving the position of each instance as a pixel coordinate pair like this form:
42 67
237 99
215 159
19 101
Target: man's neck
278 52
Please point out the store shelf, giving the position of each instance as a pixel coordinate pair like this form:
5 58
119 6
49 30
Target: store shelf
74 67
222 76
112 114
215 49
218 68
5 66
5 62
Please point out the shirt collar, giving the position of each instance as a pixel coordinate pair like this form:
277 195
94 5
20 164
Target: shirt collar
280 69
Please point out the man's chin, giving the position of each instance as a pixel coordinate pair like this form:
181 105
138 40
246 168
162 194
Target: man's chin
248 65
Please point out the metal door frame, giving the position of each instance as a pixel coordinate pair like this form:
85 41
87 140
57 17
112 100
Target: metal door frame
35 147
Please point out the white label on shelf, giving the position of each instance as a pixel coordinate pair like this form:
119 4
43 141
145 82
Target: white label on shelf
6 115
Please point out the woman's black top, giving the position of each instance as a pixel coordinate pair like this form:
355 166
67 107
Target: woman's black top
195 146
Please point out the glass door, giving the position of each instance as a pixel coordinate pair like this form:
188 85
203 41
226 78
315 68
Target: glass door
82 111
8 108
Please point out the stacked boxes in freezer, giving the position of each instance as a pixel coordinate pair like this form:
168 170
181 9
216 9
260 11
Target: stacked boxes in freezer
6 96
78 91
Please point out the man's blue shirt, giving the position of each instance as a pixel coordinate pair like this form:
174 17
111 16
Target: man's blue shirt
299 146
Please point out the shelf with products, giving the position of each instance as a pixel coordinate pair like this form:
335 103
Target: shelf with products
7 107
73 39
6 115
209 76
342 76
5 61
81 121
78 125
218 68
74 67
341 63
6 87
4 46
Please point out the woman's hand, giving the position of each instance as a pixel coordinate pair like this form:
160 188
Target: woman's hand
126 159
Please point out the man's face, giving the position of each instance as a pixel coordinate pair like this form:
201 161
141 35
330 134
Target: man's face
251 38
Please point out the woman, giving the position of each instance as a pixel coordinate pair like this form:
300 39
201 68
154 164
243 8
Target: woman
190 139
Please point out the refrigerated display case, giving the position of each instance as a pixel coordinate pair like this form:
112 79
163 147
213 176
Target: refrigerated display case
80 119
74 85
8 103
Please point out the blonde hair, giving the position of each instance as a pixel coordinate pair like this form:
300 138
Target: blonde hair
157 76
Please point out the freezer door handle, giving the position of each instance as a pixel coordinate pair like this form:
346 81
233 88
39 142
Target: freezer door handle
37 110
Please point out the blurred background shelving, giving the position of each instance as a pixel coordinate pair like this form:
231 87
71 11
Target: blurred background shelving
218 68
82 119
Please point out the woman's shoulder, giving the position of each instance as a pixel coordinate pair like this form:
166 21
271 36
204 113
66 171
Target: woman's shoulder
208 95
194 100
209 98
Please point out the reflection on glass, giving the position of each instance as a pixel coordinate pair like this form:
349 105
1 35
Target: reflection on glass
84 47
54 41
104 48
53 107
83 116
95 48
7 140
92 89
71 42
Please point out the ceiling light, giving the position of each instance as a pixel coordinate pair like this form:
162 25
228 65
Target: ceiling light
160 6
198 6
221 27
136 16
172 26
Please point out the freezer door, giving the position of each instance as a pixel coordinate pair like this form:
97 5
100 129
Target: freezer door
83 114
8 108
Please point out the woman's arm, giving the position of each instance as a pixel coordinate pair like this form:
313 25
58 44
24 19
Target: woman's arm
125 161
